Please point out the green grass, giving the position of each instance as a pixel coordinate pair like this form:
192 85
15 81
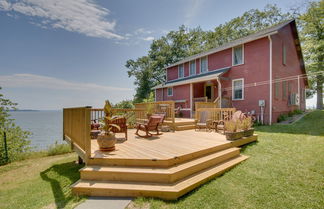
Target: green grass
39 183
285 170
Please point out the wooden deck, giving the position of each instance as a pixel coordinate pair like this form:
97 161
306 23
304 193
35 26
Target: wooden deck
165 166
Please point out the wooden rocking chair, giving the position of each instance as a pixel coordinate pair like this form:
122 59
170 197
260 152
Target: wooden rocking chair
151 125
121 122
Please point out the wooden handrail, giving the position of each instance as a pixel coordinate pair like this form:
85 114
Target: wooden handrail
216 113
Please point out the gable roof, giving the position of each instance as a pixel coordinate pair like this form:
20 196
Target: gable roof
260 34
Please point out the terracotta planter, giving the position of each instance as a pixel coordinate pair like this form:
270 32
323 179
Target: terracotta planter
234 135
249 132
106 142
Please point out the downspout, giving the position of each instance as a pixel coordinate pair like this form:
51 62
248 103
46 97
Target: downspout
191 102
270 80
219 92
299 91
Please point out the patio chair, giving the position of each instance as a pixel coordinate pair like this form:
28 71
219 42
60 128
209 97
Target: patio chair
203 121
238 115
122 123
151 125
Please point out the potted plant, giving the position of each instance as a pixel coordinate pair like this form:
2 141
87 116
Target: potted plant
106 139
246 126
149 109
232 131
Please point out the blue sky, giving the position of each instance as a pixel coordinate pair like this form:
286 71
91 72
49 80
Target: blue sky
57 54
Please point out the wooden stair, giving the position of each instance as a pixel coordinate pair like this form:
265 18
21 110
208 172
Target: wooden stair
182 126
154 181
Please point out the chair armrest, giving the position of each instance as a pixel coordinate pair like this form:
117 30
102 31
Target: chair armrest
221 122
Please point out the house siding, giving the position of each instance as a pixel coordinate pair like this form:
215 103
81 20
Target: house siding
254 70
292 67
220 60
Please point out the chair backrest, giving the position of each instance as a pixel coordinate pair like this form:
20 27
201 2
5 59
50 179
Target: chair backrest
203 117
121 122
238 115
153 122
162 115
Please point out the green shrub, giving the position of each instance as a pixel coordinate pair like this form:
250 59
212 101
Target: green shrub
290 114
58 149
297 112
282 117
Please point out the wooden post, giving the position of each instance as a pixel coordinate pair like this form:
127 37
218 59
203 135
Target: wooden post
87 137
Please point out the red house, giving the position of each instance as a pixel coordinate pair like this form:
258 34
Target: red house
262 73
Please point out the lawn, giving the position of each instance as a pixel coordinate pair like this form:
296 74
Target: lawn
285 170
39 183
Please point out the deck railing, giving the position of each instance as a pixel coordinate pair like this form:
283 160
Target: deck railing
216 113
167 107
76 129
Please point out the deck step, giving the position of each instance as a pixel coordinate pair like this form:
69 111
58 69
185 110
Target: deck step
182 123
184 127
161 175
160 190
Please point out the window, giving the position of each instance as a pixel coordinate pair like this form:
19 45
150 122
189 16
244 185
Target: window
180 71
238 89
170 91
284 90
284 54
238 55
192 67
203 65
277 87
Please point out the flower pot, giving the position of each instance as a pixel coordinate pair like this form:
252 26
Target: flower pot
249 132
106 142
234 135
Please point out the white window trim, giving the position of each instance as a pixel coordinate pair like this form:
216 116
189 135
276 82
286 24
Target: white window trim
195 68
239 79
179 71
243 60
206 64
168 91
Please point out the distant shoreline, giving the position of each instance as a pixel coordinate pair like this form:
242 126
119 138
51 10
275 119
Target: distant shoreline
28 110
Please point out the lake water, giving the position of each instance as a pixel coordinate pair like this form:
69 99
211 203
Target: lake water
46 126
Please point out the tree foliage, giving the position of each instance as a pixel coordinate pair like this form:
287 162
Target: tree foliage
176 45
312 37
125 104
17 139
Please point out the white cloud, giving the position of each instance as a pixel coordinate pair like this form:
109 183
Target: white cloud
82 16
149 38
39 81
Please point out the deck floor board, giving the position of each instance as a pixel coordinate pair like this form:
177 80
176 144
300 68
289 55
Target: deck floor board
166 146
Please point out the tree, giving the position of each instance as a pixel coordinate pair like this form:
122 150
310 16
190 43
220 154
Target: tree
312 37
176 45
125 104
16 137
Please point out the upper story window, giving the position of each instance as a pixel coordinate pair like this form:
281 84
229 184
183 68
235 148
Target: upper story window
170 91
238 55
238 89
181 71
284 54
192 67
203 64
